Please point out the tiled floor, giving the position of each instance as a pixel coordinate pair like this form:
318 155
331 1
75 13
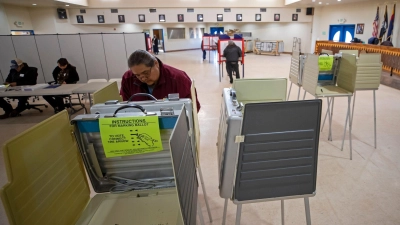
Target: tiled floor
365 190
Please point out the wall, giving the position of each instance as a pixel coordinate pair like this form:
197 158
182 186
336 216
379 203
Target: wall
185 3
18 13
4 27
354 13
43 20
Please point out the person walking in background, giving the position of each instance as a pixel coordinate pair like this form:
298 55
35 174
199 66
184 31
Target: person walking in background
232 53
204 51
155 44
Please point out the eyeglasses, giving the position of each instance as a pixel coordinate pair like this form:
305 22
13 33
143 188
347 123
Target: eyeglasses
145 73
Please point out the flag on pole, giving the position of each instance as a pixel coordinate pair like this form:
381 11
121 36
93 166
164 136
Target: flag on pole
390 31
375 25
384 26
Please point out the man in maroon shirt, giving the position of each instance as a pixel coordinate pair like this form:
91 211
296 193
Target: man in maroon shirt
148 74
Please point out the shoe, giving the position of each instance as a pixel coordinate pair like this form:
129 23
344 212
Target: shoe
231 81
14 113
237 77
4 116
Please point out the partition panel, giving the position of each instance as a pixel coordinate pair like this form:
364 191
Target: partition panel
133 42
71 49
7 54
26 50
115 51
93 51
49 52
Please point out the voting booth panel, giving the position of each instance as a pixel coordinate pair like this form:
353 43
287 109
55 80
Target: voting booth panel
51 188
26 50
71 49
95 60
115 52
133 42
49 52
7 54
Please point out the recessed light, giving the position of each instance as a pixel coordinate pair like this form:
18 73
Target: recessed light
33 4
327 3
339 0
320 3
313 0
66 5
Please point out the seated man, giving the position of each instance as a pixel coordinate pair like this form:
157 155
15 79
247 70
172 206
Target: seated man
64 73
20 74
148 74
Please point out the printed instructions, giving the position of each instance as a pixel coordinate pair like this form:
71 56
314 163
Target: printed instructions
130 135
325 63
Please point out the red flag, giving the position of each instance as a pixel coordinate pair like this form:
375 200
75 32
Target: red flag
375 25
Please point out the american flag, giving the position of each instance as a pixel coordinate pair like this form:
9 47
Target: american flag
375 25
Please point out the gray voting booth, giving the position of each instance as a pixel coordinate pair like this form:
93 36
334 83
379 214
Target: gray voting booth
152 188
267 151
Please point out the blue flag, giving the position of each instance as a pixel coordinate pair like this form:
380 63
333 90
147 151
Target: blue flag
384 26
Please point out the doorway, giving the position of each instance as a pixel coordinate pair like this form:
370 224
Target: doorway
160 36
216 30
341 33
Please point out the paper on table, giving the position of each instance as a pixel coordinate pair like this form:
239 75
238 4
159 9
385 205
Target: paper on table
325 62
130 135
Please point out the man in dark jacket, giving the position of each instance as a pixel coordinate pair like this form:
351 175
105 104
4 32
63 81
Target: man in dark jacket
20 74
232 53
148 74
64 73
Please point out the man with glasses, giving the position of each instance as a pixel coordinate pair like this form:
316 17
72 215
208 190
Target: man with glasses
148 74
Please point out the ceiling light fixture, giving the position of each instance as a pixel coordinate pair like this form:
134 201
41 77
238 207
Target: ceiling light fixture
313 0
320 3
33 4
339 0
66 5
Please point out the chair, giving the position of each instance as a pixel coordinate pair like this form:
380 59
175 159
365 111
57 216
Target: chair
329 52
351 52
85 96
35 106
345 87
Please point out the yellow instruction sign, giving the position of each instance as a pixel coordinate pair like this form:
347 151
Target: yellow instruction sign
130 135
325 63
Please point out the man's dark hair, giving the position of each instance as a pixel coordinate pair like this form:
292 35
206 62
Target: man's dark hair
63 62
141 57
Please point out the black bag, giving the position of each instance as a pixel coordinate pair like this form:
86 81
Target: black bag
373 41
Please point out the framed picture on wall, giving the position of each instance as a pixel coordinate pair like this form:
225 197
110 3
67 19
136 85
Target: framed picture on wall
238 17
181 18
121 18
360 28
295 17
100 18
220 17
161 18
200 18
142 19
258 17
79 19
277 17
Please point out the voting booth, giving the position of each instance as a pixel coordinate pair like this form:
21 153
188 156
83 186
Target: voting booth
265 152
222 43
140 164
210 44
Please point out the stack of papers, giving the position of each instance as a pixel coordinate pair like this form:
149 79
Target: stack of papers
33 87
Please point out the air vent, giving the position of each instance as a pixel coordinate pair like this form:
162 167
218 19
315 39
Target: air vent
82 10
263 9
298 10
114 10
153 10
227 9
190 10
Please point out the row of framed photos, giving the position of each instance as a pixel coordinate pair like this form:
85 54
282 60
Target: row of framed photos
200 18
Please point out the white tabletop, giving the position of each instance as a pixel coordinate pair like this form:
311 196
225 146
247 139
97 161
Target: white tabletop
90 87
65 89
